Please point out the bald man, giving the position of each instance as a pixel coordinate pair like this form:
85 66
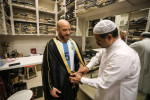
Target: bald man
123 35
59 60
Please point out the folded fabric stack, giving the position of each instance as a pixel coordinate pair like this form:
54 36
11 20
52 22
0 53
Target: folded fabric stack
25 28
69 2
134 35
23 2
101 3
25 16
61 6
62 16
43 9
70 14
73 25
88 5
47 20
30 16
46 29
139 20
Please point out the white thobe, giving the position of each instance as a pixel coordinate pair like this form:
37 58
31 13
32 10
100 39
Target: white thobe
143 49
118 72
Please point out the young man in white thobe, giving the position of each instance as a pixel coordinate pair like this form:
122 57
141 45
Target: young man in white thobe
119 66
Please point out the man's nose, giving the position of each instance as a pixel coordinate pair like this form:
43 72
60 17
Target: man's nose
68 32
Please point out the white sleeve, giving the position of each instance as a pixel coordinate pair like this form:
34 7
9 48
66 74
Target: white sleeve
117 69
96 59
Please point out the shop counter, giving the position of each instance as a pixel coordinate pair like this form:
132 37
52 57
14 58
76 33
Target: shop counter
22 62
87 92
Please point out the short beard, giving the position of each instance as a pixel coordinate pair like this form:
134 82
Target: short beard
62 37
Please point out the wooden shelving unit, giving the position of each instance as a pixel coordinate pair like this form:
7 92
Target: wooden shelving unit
23 7
63 13
47 12
49 9
46 23
5 26
138 22
118 7
39 9
23 20
1 18
70 5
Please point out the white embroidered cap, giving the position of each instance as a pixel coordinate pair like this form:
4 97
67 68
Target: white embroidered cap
145 33
104 26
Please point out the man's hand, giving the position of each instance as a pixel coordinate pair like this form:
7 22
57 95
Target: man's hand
83 70
75 77
54 91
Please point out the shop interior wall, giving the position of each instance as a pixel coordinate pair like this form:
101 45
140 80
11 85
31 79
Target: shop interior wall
121 22
123 17
23 44
90 41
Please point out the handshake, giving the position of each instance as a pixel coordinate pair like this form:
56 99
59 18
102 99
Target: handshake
76 77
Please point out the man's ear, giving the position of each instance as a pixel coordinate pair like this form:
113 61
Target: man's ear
57 30
109 36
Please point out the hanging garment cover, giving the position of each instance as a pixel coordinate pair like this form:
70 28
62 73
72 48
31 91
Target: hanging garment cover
56 74
143 49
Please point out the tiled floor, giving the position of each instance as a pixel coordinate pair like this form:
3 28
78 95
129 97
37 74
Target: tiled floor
37 81
34 82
